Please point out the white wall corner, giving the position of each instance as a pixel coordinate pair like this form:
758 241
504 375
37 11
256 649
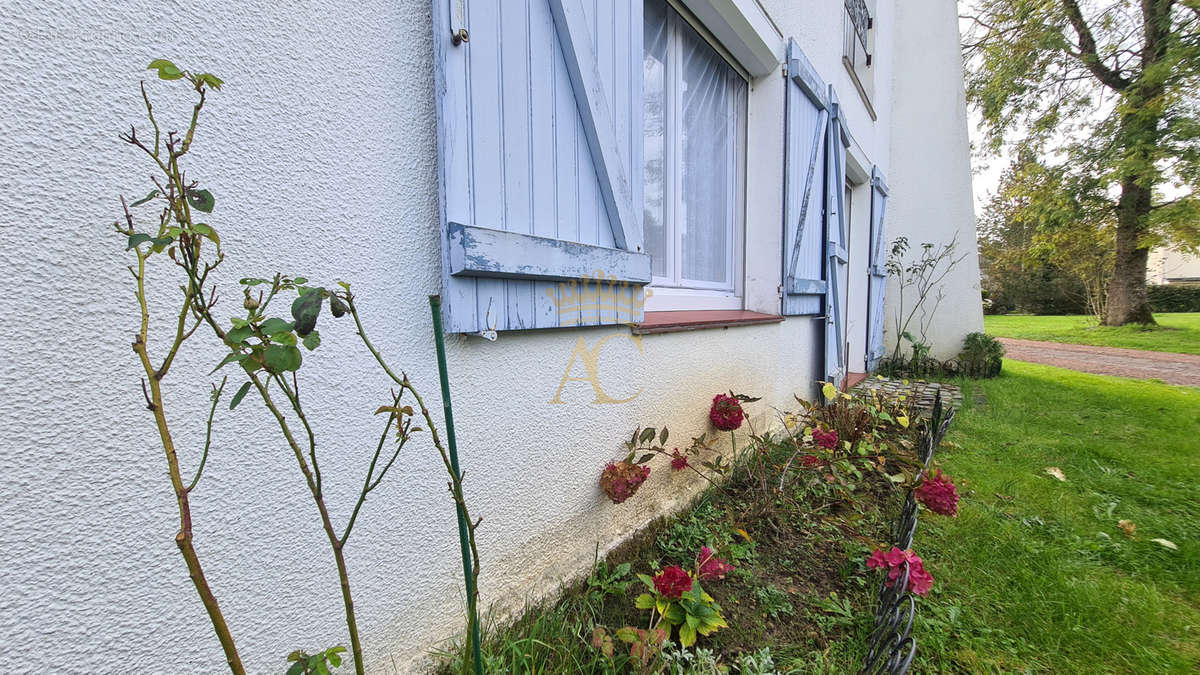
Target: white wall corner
744 29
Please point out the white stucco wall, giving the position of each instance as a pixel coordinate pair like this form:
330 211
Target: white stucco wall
321 153
930 177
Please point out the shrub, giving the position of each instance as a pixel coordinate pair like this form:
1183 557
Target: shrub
1174 298
982 356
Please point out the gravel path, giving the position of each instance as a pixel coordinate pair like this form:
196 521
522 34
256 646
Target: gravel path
1169 367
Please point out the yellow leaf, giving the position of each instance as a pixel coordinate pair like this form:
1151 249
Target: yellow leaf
1127 527
1057 473
744 534
1165 543
829 391
903 421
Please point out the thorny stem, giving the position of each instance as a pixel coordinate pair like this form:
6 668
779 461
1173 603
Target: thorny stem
216 397
184 537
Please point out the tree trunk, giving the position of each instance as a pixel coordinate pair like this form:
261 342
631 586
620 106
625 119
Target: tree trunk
1127 301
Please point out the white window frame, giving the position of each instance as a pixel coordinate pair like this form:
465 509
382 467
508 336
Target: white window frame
674 293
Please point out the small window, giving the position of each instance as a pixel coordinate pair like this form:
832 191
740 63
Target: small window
857 42
694 131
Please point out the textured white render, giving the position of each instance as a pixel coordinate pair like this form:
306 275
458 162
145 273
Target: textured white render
321 151
930 180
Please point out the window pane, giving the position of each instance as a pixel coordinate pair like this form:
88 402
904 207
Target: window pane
654 125
707 160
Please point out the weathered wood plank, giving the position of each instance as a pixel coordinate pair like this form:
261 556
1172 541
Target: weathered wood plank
580 56
484 252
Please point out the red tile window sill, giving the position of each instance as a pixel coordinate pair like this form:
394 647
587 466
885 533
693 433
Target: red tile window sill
676 322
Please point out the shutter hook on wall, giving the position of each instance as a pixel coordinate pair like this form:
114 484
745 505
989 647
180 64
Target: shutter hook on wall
460 35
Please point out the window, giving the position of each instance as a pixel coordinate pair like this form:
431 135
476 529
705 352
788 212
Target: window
694 133
857 39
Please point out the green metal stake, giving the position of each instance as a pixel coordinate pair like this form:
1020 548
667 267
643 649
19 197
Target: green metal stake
435 306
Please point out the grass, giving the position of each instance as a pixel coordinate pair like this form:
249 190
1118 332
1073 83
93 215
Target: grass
1174 332
1036 574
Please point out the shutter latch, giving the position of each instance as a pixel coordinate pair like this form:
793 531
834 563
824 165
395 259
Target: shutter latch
460 36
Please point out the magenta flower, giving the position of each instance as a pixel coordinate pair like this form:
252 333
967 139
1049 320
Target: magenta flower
673 582
810 461
825 439
938 494
710 566
920 581
679 461
726 412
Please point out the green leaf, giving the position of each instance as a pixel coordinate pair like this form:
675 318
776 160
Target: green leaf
275 325
296 669
662 437
235 356
206 230
336 307
647 435
241 394
201 200
284 338
627 634
282 358
166 69
621 570
312 341
136 239
644 601
143 200
687 635
692 621
645 579
301 280
305 310
237 335
160 243
213 82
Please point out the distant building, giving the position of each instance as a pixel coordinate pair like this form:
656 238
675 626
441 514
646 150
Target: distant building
1172 266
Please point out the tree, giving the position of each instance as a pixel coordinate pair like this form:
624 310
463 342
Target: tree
1046 246
1105 94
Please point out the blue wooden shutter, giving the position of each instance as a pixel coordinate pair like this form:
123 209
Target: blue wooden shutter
805 132
877 280
540 149
836 273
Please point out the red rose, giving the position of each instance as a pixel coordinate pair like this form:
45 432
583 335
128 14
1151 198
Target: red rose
620 480
673 582
726 413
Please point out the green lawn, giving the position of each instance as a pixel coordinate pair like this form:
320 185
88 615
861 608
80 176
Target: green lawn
1034 573
1174 333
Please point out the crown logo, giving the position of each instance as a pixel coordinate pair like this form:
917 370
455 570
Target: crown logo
597 299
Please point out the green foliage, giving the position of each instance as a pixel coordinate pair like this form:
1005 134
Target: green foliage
1174 298
773 602
982 356
1174 332
1043 578
320 663
1100 100
694 613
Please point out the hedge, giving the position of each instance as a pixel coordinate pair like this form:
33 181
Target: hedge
1174 298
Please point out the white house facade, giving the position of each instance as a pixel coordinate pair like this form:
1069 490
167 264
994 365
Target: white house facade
627 207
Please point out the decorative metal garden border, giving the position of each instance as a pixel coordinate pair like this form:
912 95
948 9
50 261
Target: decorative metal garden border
891 646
